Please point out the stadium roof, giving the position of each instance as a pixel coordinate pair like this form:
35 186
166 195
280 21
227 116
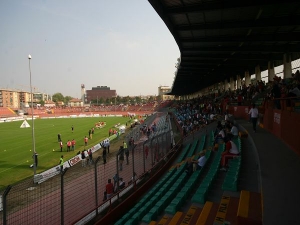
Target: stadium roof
221 39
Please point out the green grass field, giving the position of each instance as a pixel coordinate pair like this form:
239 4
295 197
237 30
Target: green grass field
16 144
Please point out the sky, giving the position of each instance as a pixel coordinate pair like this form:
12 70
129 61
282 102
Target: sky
122 44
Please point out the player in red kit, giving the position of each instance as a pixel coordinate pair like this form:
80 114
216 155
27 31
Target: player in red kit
85 141
69 143
73 144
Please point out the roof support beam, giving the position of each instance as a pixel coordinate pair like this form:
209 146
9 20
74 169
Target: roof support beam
225 5
237 56
260 23
282 37
245 49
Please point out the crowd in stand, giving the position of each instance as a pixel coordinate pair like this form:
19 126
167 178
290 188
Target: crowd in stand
193 114
278 88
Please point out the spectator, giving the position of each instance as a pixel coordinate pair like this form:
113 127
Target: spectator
121 158
134 177
109 189
126 150
233 130
220 136
294 92
116 180
121 183
61 163
90 157
231 150
131 142
189 166
83 160
104 155
254 116
276 92
201 161
107 145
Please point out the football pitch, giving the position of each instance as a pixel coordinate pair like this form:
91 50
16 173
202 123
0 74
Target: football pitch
17 151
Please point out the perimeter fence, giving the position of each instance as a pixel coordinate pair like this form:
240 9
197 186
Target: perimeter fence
76 195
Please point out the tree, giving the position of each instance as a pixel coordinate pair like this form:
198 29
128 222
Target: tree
138 99
101 100
58 97
118 100
126 100
42 102
67 99
151 99
158 98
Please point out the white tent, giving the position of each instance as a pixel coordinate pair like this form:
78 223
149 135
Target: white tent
25 124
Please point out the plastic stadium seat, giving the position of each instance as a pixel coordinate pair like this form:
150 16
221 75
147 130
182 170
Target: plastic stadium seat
171 209
199 198
131 221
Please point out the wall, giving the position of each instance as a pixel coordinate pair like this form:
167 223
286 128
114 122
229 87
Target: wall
282 123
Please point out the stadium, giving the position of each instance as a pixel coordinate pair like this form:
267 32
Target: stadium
227 49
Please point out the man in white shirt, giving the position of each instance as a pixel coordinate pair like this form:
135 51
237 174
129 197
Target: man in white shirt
254 116
234 131
201 161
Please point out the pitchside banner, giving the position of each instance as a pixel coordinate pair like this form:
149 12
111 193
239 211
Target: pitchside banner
41 177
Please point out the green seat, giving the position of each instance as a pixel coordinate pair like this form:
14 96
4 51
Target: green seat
176 201
173 189
160 205
148 217
126 217
190 183
182 195
171 209
199 198
186 189
230 186
138 215
205 185
132 221
158 194
147 206
119 222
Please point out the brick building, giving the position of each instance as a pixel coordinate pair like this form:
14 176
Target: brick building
100 92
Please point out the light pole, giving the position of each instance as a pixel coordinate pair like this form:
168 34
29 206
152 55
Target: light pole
32 129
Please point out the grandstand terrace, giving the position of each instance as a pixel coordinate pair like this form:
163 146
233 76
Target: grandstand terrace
260 185
6 112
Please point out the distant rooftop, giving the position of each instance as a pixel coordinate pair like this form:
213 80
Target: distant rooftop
101 88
